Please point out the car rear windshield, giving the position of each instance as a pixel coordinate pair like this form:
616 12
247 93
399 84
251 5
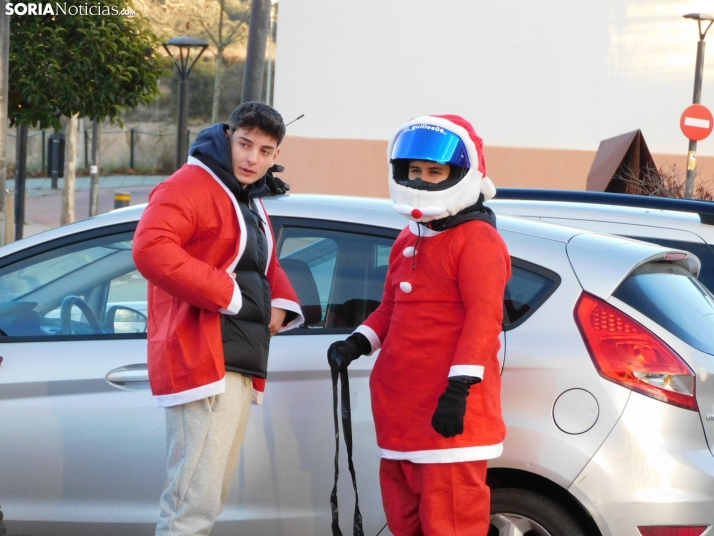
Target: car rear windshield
674 299
704 252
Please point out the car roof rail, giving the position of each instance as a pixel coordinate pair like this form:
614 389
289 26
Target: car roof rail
705 209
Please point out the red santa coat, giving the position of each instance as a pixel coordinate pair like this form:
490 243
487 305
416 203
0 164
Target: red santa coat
441 316
188 241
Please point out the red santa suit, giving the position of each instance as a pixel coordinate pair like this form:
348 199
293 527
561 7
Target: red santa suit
440 317
189 239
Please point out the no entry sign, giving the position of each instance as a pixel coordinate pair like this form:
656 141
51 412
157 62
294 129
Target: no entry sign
696 122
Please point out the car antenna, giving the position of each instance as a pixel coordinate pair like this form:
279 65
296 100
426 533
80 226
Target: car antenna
298 117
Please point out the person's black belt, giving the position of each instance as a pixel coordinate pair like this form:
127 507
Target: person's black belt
347 428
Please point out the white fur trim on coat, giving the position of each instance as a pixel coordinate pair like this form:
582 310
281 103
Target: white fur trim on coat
236 302
371 337
473 371
289 305
422 230
463 454
241 221
267 231
191 395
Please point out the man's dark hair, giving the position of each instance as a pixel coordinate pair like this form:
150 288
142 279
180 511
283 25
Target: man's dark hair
258 115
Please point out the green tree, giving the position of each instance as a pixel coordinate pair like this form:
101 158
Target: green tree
94 65
98 66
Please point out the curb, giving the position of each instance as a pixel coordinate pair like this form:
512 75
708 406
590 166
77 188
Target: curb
82 183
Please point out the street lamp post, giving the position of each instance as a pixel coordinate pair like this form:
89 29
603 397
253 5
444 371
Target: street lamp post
181 60
697 96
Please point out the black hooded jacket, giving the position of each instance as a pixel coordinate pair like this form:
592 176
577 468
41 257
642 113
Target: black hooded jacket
246 336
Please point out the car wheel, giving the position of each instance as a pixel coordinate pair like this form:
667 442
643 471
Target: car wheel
519 512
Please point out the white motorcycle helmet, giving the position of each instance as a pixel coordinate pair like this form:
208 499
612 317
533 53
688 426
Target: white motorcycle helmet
444 139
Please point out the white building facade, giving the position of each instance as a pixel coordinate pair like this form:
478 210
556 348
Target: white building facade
542 82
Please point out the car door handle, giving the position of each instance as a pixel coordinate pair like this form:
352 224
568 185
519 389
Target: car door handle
129 377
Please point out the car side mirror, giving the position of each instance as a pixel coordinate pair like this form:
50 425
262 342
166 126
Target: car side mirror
126 320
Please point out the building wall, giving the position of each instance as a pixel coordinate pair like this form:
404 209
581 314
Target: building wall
359 167
542 82
552 74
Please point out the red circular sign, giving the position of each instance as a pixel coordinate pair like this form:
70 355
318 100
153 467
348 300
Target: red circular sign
696 122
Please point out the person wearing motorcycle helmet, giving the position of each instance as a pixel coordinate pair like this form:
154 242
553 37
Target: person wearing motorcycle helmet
435 386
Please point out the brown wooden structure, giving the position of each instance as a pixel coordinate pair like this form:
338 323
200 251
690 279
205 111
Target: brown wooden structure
622 165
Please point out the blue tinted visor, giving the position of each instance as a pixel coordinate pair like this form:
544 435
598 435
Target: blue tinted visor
432 143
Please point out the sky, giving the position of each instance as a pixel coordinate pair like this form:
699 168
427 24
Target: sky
548 74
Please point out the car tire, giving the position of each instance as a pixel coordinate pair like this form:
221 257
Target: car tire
521 512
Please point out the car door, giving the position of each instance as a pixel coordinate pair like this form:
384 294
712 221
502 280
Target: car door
82 442
287 462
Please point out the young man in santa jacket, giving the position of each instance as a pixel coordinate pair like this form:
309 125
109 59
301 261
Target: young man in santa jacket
216 295
436 384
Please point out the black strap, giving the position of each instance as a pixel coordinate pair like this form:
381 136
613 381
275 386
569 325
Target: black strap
347 428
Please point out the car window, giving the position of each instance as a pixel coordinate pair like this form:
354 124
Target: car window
669 295
383 254
703 251
86 289
529 287
338 275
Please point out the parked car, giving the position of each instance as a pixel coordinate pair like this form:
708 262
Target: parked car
676 223
608 383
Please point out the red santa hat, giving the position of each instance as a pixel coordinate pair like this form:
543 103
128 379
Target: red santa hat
427 204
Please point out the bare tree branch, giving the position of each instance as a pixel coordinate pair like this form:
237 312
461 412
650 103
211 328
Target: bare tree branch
664 182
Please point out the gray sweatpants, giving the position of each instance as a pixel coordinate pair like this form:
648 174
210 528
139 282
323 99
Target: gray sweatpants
203 442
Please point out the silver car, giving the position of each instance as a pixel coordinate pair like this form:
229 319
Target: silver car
674 223
608 383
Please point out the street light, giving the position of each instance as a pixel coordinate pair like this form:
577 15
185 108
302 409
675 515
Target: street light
697 97
184 45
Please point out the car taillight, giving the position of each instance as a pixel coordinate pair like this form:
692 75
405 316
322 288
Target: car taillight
671 531
626 352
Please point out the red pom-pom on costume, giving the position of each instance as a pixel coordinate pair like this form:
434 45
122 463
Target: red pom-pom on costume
416 214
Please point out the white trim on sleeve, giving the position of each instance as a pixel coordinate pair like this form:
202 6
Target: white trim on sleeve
371 337
288 305
463 454
191 395
474 371
236 302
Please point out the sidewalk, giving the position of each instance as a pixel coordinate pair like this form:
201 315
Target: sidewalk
43 205
36 186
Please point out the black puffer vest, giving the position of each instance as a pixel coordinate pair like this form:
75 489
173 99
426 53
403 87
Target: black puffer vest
246 336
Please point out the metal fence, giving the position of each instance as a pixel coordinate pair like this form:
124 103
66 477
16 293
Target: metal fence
145 149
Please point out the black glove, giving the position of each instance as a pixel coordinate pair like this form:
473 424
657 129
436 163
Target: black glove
341 353
448 419
276 185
